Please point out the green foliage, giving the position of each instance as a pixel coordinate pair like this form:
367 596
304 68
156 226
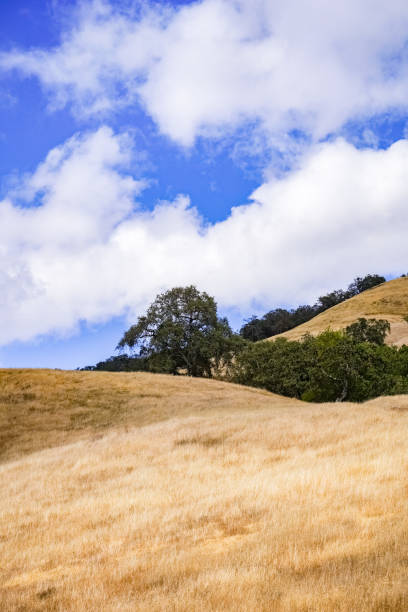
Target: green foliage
331 299
181 330
333 366
279 366
276 322
369 330
345 369
363 284
121 363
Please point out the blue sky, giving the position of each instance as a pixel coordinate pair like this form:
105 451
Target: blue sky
255 149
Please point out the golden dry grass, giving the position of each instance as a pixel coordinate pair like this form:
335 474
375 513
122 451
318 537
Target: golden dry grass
44 408
205 496
387 301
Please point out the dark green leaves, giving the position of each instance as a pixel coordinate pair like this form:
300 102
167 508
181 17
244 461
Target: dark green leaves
368 330
334 366
181 331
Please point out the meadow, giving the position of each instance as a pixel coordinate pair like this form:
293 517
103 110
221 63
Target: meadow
151 492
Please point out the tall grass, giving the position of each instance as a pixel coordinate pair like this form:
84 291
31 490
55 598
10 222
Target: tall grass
240 501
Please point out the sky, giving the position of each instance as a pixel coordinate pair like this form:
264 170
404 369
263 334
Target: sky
257 149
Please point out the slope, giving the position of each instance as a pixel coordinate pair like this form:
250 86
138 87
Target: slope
387 301
170 494
44 408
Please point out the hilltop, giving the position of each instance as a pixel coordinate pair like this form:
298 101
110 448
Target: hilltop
135 491
387 301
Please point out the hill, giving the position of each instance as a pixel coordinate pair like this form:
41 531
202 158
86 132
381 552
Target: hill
45 408
146 492
387 301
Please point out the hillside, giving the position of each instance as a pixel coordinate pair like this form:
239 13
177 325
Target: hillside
44 408
387 301
145 492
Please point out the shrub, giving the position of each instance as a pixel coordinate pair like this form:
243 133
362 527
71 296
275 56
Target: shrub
369 330
333 366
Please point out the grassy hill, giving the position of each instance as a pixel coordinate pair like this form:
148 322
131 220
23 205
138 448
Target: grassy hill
45 408
387 301
146 492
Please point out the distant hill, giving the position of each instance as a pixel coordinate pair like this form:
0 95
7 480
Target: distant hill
387 301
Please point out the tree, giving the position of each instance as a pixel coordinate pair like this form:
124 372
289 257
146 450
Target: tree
253 329
276 322
280 366
362 284
181 330
331 299
369 330
336 372
121 363
333 366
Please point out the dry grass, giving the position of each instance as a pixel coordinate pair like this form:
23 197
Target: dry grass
387 301
238 500
44 408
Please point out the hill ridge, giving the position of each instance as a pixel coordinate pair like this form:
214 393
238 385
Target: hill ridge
386 301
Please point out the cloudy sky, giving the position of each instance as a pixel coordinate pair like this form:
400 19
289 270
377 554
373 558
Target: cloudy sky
255 148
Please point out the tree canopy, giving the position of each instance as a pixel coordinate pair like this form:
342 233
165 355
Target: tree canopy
352 365
181 330
369 330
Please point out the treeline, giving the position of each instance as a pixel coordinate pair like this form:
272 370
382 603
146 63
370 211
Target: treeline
349 365
280 320
122 363
181 333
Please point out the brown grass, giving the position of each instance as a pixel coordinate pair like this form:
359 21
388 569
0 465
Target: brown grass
200 495
387 301
44 408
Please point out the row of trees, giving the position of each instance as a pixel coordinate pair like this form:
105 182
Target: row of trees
279 320
353 365
182 333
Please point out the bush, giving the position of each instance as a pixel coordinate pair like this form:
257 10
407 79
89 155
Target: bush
281 367
369 330
333 366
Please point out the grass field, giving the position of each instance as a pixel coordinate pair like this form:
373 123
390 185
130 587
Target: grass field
387 301
147 492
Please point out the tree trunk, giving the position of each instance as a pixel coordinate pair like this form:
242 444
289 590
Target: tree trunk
344 391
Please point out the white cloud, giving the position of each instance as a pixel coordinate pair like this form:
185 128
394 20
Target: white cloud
75 246
86 252
77 198
214 64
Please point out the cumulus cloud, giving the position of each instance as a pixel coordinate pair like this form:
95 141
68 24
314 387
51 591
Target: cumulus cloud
52 221
83 250
76 242
212 65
